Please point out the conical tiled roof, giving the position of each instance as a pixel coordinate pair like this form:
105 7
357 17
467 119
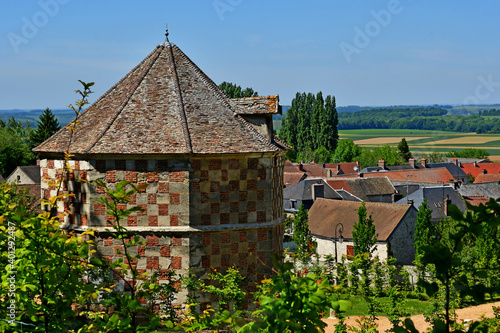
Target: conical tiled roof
165 105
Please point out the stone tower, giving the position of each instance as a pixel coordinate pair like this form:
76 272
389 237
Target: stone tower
213 167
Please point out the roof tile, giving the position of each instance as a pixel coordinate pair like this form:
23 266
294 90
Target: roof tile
165 105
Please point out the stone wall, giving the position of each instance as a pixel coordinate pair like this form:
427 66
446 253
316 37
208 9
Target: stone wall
204 213
403 238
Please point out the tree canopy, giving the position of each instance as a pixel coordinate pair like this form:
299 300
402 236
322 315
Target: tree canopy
47 126
234 91
363 235
404 150
311 123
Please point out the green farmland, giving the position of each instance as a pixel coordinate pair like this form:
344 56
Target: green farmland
425 142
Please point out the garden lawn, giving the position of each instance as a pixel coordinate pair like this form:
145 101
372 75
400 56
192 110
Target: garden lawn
360 306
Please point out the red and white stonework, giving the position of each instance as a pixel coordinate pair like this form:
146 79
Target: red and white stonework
201 214
212 166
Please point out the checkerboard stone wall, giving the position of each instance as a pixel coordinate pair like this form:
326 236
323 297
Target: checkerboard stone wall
206 213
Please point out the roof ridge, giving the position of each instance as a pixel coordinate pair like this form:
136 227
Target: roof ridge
216 90
182 110
120 109
211 84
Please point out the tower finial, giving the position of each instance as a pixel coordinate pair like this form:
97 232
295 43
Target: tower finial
166 32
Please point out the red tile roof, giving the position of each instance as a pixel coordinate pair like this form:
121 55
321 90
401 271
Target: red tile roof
346 168
487 178
291 167
477 168
314 170
476 200
292 178
165 105
325 214
434 176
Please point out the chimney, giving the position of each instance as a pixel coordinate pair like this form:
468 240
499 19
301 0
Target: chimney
424 162
453 183
381 164
301 166
317 191
475 164
454 160
409 201
412 162
446 202
484 171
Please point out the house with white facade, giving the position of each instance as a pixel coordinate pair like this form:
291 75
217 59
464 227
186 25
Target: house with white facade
331 223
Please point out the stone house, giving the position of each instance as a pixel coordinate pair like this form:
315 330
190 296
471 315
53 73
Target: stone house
438 199
213 168
376 189
25 175
394 226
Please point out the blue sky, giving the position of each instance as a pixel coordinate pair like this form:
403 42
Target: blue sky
374 52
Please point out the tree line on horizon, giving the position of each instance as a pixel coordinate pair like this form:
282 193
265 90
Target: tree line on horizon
424 118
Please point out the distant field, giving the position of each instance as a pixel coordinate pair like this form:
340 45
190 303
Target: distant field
425 142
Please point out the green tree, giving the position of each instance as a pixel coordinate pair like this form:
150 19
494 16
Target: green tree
290 302
14 150
47 125
404 150
234 91
301 234
44 263
309 124
318 121
289 124
346 151
363 234
450 256
329 129
304 136
425 234
469 153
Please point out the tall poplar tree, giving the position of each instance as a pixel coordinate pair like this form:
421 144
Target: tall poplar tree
310 124
330 127
304 138
318 121
288 131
